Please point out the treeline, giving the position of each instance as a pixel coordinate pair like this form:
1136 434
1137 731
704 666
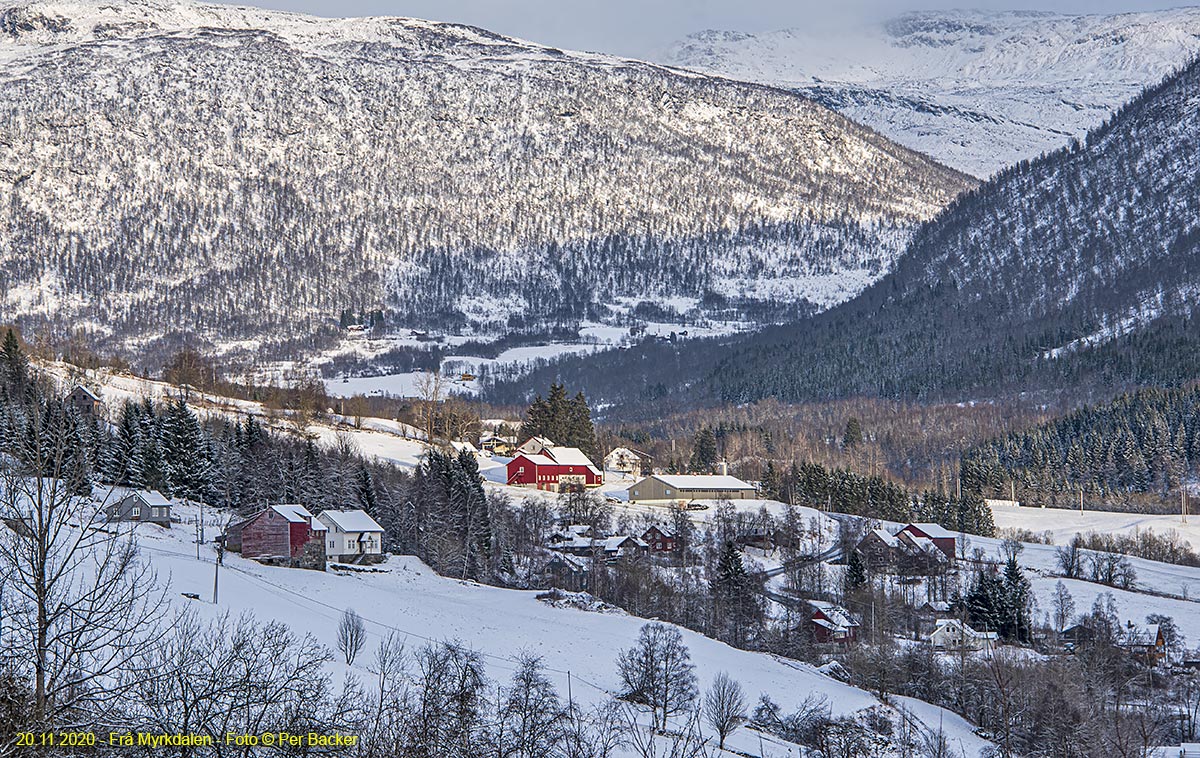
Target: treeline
873 497
1145 443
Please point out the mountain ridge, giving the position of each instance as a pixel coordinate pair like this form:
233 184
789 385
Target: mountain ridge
441 174
978 90
1073 273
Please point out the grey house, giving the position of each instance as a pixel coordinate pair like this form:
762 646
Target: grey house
142 506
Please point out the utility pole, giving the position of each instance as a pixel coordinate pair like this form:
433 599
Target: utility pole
1081 499
1183 503
217 570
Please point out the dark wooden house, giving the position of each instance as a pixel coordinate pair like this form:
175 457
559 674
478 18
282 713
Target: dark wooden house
659 539
142 506
282 533
85 402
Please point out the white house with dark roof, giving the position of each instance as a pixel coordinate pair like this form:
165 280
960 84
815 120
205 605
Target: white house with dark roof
352 536
952 634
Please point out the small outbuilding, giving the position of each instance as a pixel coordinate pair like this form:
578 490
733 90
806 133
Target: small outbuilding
87 403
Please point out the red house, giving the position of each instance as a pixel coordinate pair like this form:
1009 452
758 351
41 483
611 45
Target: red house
660 540
831 623
941 537
555 469
281 532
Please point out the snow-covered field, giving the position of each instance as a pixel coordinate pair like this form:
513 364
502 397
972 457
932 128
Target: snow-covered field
1062 524
413 602
593 337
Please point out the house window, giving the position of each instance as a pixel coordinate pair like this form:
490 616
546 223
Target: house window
332 544
136 511
668 493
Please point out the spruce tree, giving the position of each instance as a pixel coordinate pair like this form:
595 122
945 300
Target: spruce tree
856 573
557 414
853 436
730 587
581 433
14 365
184 451
704 452
537 419
364 491
1017 599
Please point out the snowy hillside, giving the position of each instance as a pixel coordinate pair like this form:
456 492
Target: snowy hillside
410 600
976 90
255 178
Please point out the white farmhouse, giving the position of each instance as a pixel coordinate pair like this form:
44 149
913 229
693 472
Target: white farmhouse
623 460
353 537
952 634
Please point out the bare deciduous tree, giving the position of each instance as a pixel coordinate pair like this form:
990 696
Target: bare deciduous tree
658 672
79 603
351 635
724 707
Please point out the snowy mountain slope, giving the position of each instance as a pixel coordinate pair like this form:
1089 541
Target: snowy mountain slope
237 174
1075 272
977 90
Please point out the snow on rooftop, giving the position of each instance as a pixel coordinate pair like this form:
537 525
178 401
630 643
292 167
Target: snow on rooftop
934 531
152 497
570 456
703 482
351 521
293 512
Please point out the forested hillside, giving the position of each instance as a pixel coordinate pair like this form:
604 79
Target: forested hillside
245 177
1077 270
1142 444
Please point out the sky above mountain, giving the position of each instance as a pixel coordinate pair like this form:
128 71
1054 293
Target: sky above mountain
642 28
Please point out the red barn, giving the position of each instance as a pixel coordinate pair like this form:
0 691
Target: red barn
279 532
941 537
660 540
554 469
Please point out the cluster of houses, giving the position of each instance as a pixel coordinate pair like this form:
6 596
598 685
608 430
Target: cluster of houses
915 549
291 535
574 548
280 534
539 463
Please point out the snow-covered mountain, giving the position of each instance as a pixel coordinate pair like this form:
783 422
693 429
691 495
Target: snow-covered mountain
232 174
976 90
1074 273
